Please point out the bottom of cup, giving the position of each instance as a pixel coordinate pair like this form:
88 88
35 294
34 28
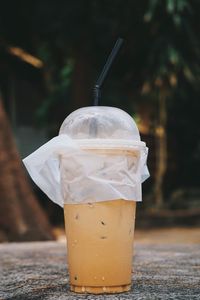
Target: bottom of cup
100 289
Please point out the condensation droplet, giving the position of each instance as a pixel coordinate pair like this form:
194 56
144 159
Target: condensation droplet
103 278
104 289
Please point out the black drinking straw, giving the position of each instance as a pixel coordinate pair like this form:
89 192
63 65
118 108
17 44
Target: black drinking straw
106 68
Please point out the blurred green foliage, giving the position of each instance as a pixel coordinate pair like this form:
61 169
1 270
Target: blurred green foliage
56 86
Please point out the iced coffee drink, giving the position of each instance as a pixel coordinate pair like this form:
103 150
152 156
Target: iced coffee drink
100 245
94 170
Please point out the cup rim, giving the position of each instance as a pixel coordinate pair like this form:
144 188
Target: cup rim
111 144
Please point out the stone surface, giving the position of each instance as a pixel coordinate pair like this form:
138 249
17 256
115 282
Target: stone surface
37 270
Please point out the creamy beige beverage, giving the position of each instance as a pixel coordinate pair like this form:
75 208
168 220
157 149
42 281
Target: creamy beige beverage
100 245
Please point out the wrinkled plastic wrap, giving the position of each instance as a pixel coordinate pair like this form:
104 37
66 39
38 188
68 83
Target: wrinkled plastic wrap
69 174
98 156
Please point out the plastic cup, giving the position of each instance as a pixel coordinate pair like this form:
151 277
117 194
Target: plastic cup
100 232
94 169
100 243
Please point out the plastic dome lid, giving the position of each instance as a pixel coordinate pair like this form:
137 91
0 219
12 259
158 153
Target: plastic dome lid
97 124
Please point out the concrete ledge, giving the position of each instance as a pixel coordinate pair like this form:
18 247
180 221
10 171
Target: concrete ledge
34 271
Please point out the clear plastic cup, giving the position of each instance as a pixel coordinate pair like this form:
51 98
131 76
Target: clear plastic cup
100 232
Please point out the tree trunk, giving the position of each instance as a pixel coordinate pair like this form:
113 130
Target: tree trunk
161 149
21 217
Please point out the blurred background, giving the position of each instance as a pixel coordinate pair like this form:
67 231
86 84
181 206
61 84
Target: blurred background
51 53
